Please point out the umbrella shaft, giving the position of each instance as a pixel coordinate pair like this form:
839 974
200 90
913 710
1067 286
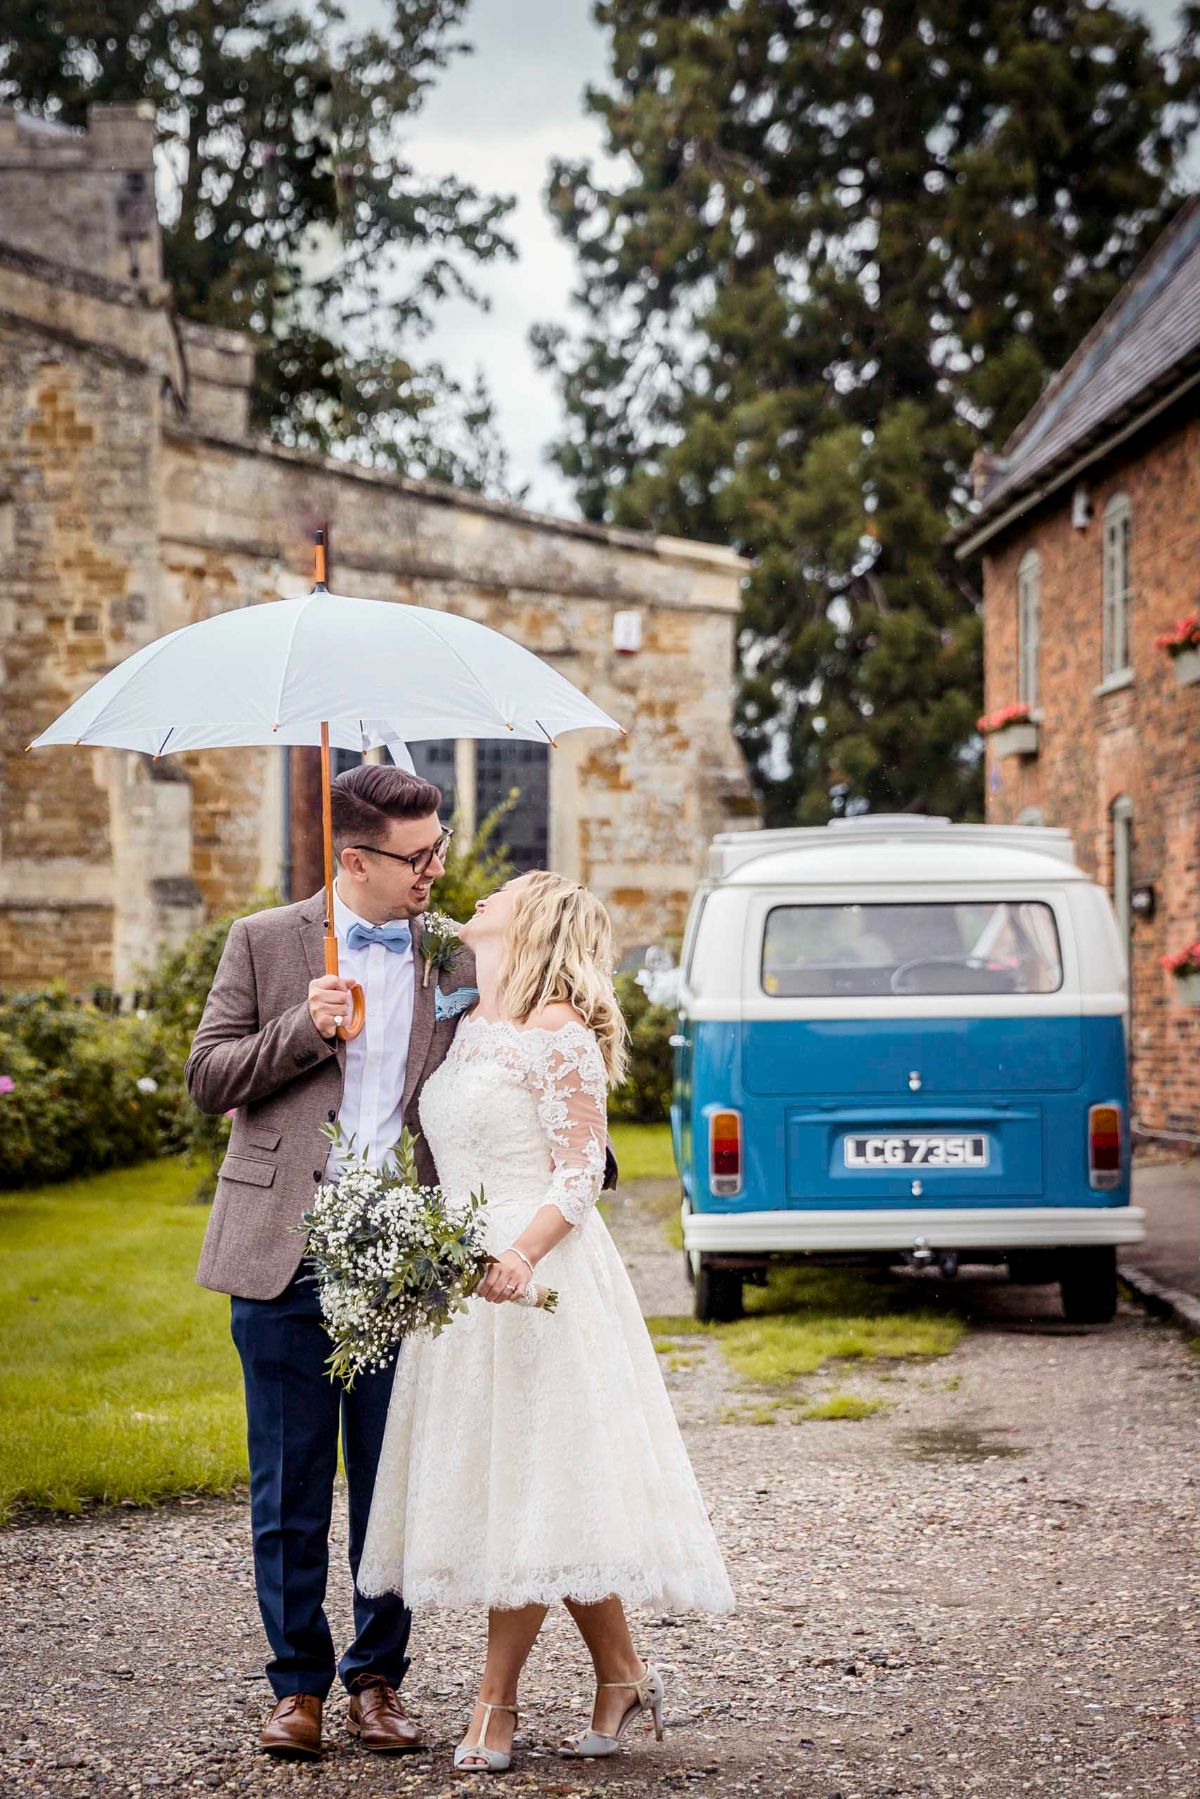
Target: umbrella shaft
331 956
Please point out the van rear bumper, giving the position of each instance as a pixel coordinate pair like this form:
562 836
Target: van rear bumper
999 1227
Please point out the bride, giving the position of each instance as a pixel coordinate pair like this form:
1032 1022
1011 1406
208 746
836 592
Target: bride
532 1457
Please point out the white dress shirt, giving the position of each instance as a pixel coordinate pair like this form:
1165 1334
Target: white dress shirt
377 1059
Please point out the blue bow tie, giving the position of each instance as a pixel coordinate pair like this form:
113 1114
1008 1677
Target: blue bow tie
449 1005
396 936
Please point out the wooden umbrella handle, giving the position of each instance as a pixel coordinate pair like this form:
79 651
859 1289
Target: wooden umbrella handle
358 999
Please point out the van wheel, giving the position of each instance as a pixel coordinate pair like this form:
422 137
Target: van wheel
1088 1283
718 1293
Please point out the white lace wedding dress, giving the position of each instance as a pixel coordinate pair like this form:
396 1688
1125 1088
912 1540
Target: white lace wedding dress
532 1456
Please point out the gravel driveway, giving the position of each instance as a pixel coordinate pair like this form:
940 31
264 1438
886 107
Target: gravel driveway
989 1587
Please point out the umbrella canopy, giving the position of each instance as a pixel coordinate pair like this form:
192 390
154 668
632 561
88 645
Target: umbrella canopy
329 670
376 672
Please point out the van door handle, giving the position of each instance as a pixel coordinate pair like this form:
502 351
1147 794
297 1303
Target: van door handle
677 1042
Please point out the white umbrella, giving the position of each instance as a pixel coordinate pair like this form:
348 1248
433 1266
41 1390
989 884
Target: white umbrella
327 669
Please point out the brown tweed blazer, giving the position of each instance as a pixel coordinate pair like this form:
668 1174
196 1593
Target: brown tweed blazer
258 1050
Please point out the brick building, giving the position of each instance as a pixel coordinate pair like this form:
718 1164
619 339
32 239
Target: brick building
134 498
1089 523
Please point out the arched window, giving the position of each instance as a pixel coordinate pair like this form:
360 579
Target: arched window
1117 585
1029 626
1122 866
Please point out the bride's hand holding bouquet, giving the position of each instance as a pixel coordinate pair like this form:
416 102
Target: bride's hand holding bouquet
393 1258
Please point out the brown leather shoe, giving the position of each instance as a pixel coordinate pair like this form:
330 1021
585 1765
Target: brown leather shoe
378 1719
294 1728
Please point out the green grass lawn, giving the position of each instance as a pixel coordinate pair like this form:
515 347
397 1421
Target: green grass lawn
643 1151
805 1318
118 1376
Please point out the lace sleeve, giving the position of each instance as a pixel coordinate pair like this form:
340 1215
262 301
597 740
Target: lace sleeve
568 1081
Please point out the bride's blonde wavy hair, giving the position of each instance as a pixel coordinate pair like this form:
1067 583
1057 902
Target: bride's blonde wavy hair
559 946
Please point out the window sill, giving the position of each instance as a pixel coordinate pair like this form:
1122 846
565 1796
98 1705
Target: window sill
1114 683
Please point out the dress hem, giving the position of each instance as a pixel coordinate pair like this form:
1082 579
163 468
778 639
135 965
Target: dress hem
437 1596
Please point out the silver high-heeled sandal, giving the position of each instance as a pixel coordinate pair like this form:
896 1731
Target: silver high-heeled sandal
649 1695
495 1761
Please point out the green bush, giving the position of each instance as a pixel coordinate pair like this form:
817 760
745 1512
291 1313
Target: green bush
645 1096
71 1103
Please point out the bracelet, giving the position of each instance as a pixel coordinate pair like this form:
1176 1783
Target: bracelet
524 1258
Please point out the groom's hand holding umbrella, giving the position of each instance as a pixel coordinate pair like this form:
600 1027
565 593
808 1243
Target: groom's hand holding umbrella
330 1002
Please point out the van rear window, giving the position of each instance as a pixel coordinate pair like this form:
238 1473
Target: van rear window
914 947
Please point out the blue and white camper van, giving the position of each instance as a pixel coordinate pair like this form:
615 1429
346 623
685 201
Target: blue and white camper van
903 1040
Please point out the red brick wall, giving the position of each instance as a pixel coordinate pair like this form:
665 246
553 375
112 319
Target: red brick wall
1142 740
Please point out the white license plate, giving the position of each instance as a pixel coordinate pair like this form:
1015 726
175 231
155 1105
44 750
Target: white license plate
929 1150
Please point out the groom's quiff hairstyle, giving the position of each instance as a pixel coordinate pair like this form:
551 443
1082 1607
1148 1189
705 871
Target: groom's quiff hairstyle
364 800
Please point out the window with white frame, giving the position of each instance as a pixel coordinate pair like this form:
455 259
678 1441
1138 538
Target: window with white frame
1116 586
1029 626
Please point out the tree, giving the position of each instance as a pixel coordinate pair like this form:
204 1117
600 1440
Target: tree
846 244
292 212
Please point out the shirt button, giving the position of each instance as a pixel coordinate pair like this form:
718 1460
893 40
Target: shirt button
331 1114
316 1174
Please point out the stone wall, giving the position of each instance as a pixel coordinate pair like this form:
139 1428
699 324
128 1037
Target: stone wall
133 500
630 816
83 198
1140 740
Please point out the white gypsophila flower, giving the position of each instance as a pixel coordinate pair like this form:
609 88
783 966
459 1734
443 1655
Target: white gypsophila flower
147 1084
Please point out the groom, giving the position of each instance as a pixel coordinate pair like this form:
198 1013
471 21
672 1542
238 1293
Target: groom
267 1045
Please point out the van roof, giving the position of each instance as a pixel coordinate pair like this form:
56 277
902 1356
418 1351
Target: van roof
884 849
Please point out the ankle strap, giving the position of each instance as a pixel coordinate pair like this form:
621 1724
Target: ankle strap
489 1708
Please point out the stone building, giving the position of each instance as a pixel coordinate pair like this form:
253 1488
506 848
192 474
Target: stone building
1089 523
134 498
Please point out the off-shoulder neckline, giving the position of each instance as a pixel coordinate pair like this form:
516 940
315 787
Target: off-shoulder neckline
531 1030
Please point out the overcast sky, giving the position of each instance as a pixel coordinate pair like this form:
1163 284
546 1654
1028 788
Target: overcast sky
495 119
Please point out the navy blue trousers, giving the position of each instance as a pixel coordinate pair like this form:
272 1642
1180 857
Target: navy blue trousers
293 1411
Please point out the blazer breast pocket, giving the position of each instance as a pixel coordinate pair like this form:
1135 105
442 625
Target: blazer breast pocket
262 1136
245 1168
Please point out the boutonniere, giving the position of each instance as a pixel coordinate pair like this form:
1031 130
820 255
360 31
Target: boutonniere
439 943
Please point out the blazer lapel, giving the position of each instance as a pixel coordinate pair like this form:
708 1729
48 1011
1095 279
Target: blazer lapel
421 1034
312 937
312 933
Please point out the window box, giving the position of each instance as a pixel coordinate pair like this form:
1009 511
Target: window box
1184 964
1013 731
1020 739
1182 644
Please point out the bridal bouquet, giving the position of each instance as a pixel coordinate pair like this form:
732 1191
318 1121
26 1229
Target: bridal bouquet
392 1257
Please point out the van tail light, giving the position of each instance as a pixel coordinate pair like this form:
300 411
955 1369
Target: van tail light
1104 1146
725 1153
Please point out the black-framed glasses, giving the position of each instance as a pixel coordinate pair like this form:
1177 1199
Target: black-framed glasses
418 863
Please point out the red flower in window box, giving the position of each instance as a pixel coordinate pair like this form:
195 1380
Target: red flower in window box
1184 961
1183 635
996 721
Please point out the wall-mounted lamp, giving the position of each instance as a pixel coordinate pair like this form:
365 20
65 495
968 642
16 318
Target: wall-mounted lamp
1141 901
627 633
